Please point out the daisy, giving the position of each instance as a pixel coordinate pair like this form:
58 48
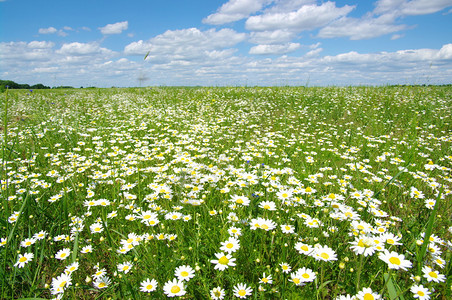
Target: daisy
223 261
295 278
363 245
71 268
286 268
148 285
420 292
60 283
303 248
305 275
184 273
125 267
241 290
394 260
40 235
367 294
242 200
28 242
266 279
102 282
63 254
231 245
234 231
87 249
174 288
287 228
96 228
324 253
217 293
24 259
268 205
432 275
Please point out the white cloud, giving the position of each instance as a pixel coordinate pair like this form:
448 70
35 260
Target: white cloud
413 7
48 30
364 28
76 49
272 37
40 45
115 28
307 17
235 10
275 49
185 44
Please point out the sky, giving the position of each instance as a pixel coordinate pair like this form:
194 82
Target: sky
225 43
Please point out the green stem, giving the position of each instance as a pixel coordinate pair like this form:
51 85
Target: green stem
358 272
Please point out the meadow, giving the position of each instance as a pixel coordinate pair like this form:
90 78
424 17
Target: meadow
226 193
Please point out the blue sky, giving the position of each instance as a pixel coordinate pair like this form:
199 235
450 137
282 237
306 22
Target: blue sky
235 42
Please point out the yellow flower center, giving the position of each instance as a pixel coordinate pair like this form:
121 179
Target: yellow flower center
264 226
223 260
175 289
433 274
242 293
62 284
229 245
184 273
102 284
390 241
296 280
368 296
149 286
264 280
324 255
23 259
305 275
239 201
308 189
266 206
63 254
304 248
420 293
147 217
394 260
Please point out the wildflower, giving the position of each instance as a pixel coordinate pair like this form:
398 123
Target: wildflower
303 248
217 293
287 228
286 268
40 235
420 292
266 279
295 278
71 268
125 267
87 249
395 260
324 253
96 228
223 261
242 200
268 205
102 282
148 285
63 254
367 294
363 245
241 290
27 242
60 283
174 288
432 275
235 231
305 275
231 245
24 259
184 273
99 273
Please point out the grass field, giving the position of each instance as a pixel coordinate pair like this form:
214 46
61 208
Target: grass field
225 193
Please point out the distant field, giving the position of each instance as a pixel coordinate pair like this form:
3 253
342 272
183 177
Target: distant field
225 193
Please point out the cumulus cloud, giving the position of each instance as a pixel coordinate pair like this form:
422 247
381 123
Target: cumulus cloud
77 49
364 28
272 37
411 7
48 30
185 44
235 10
275 49
307 17
115 28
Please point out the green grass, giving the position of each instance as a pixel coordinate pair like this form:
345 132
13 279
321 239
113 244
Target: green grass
371 157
